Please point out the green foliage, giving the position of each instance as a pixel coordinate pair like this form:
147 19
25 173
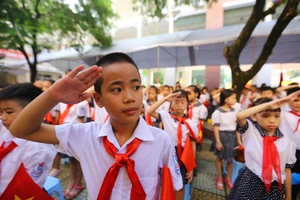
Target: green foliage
24 22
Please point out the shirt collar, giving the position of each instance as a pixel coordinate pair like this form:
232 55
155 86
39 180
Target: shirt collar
198 104
277 133
224 111
8 137
142 132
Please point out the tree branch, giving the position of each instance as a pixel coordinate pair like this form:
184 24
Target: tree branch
21 48
37 9
239 44
24 6
271 10
289 12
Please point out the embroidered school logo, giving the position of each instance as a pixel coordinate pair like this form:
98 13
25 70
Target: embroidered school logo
176 164
38 170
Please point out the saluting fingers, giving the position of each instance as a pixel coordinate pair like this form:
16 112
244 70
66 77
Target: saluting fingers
75 71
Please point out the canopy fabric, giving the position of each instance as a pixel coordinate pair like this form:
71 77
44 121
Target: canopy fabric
186 48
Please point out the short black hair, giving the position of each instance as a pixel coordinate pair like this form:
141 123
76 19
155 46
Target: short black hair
22 93
292 90
224 95
266 88
167 86
109 59
196 90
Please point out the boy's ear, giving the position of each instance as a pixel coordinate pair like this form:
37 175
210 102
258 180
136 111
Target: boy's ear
98 99
253 117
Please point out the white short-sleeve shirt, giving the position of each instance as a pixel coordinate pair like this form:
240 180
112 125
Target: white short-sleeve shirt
244 101
37 159
199 112
77 110
100 114
166 106
253 144
85 143
288 124
171 126
226 120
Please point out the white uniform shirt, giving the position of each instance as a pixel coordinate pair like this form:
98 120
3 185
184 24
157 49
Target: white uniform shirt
77 110
166 106
253 144
244 101
37 159
288 124
226 120
199 112
171 126
203 98
100 114
84 142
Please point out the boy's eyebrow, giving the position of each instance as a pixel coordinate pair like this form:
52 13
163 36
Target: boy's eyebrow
135 80
7 108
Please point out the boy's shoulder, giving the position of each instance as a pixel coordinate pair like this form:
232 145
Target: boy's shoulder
160 136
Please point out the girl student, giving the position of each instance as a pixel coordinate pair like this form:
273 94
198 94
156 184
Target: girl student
197 111
152 98
269 154
224 126
112 155
181 129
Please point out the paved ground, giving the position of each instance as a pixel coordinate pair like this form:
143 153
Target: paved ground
203 185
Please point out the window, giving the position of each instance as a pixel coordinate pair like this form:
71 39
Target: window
198 77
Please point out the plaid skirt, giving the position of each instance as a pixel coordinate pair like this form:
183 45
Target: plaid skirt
229 142
248 186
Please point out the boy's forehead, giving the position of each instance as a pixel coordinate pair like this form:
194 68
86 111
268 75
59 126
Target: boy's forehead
9 103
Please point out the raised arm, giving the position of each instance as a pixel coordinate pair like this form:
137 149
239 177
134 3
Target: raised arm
243 115
69 89
152 109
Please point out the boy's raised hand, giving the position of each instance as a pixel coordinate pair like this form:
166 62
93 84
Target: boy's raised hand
279 102
71 88
294 95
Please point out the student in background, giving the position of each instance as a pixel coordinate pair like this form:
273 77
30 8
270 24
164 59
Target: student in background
20 155
224 126
166 90
289 125
181 129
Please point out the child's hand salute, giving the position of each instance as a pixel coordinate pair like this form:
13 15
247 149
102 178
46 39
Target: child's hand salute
71 89
172 96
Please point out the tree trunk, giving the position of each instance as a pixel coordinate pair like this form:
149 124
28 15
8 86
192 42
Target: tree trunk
33 72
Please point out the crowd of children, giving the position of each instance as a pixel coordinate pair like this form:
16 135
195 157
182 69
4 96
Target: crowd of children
144 140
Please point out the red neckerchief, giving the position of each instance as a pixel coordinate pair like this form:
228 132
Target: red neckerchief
137 191
243 100
6 150
191 106
270 160
298 123
65 113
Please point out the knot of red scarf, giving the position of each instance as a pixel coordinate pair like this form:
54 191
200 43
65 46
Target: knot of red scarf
137 191
270 160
